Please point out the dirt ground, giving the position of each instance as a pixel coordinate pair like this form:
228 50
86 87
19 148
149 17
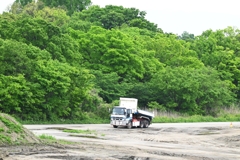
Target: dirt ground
190 141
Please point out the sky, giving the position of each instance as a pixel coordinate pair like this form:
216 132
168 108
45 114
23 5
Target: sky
177 16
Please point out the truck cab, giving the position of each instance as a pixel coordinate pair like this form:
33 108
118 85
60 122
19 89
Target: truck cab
120 116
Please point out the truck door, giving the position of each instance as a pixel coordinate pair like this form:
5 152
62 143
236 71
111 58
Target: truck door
129 113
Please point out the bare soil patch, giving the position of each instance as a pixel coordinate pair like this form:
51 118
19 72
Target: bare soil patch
158 142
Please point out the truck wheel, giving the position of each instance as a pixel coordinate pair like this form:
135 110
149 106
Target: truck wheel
114 126
141 124
146 124
129 126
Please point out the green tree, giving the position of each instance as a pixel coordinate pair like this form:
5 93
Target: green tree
55 16
143 40
188 90
220 50
16 8
19 58
19 61
75 24
7 25
34 31
109 87
14 94
71 6
44 35
115 16
23 2
110 51
186 36
163 50
54 89
26 8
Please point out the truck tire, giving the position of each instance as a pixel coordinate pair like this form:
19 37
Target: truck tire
141 124
146 124
129 126
114 126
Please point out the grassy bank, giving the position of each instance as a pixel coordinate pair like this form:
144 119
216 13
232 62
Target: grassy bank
229 114
68 121
167 118
13 133
197 118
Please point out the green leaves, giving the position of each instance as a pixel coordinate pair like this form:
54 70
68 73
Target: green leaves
61 63
109 87
19 58
56 16
219 50
115 16
14 93
23 2
190 90
71 6
32 82
35 31
110 51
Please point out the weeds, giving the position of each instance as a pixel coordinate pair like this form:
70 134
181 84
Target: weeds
5 139
51 139
47 137
11 126
80 131
197 118
68 121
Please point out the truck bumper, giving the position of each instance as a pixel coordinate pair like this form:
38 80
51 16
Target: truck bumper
118 123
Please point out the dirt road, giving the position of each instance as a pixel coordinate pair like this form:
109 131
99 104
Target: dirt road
182 141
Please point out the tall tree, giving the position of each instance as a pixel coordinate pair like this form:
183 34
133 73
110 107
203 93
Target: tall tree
71 6
110 51
188 90
108 85
143 41
186 36
220 50
55 16
23 2
115 16
32 83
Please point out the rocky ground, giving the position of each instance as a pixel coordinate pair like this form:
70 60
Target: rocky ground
200 141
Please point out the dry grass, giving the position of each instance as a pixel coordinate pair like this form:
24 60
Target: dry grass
170 114
233 109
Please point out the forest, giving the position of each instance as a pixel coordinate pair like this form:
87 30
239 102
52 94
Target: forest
64 60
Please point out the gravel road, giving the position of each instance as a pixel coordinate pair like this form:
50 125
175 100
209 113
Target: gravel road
168 141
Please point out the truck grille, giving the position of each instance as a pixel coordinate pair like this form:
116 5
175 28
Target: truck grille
117 118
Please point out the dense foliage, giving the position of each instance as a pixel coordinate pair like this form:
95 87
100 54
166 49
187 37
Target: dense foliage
73 61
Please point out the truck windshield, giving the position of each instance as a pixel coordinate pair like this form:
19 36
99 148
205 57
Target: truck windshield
118 111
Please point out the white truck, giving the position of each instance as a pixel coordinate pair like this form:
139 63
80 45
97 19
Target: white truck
127 114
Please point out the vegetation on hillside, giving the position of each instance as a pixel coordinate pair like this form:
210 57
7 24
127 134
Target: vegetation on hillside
12 132
72 61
